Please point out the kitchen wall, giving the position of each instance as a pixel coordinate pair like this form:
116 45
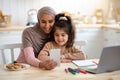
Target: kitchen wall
18 8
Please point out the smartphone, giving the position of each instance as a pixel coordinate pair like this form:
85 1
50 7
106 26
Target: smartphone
55 55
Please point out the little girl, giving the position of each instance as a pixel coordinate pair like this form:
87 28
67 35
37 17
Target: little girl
62 37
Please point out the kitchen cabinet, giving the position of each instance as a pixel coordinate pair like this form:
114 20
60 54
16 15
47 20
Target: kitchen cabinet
9 37
97 38
11 34
94 38
111 37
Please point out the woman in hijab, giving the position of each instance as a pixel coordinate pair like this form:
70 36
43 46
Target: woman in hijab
34 38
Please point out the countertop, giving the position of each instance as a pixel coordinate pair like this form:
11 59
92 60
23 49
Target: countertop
13 28
89 26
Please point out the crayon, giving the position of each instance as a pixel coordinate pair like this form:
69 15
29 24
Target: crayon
77 71
82 71
66 70
72 71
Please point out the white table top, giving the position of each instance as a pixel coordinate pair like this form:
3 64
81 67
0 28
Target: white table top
58 73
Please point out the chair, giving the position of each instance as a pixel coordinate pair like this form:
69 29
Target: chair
8 48
79 44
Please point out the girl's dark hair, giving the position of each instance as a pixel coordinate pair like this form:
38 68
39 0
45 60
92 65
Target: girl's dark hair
65 23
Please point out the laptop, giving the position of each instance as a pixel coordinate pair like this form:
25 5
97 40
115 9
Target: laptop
109 60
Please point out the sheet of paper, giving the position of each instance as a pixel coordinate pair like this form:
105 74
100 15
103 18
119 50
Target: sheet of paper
83 63
55 55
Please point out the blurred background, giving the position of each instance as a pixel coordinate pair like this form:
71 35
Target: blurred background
82 11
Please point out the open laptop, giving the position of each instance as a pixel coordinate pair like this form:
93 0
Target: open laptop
109 60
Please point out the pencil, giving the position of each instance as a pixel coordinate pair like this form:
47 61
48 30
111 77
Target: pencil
66 70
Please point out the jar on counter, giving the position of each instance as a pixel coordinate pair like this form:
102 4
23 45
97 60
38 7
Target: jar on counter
94 19
99 16
111 15
1 17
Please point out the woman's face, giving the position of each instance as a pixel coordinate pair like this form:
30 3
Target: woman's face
46 23
61 37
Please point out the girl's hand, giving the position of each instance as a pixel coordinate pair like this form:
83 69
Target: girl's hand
44 58
64 60
62 57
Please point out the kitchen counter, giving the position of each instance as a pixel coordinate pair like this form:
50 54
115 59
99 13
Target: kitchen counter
19 28
98 26
112 26
12 28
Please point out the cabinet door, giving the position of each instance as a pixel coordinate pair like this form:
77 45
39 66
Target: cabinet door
9 37
94 38
111 37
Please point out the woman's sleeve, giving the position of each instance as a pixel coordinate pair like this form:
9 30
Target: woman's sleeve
30 57
26 39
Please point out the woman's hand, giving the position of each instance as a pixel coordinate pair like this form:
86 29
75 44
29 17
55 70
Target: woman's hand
48 64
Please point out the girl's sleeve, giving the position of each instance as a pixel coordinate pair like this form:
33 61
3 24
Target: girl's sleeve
44 53
74 54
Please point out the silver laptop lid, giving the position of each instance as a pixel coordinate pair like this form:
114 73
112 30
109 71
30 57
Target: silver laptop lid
109 60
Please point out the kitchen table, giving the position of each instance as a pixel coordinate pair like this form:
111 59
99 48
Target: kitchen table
58 73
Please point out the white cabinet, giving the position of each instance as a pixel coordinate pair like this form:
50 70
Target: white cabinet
111 37
8 37
97 38
94 38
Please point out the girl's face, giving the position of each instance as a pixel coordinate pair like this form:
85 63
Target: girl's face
46 23
61 37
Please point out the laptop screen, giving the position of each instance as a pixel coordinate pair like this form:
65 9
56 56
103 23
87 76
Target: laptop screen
109 60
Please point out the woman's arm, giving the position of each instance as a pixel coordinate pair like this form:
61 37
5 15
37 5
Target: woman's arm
30 57
27 53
